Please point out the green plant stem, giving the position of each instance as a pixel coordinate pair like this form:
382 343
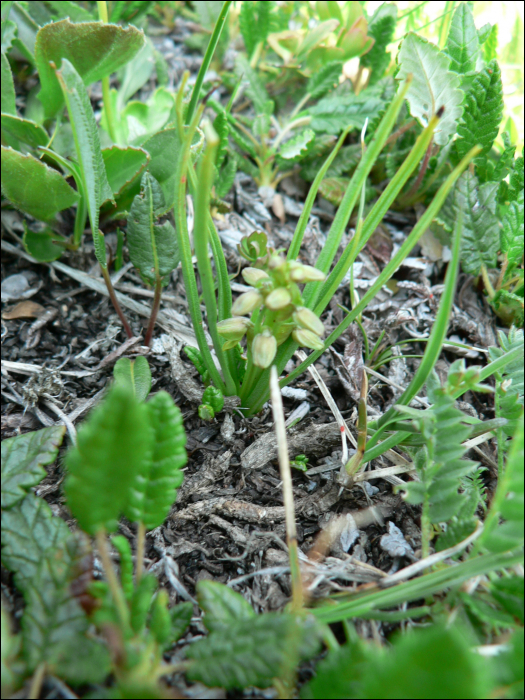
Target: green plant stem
413 191
487 282
141 540
295 245
500 434
188 273
80 221
286 477
435 342
210 50
375 216
106 93
354 189
154 312
111 576
258 396
114 301
421 587
200 239
36 681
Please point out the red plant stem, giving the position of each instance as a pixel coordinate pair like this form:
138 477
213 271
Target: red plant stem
154 312
421 175
114 301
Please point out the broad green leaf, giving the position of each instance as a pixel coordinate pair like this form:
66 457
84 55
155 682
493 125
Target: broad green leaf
113 446
8 35
336 112
135 74
324 80
462 42
490 46
25 130
252 651
222 606
43 554
254 23
55 629
298 146
507 502
341 673
95 182
254 86
135 375
381 28
482 114
26 31
8 88
153 248
433 86
154 491
123 165
73 10
30 534
140 120
512 235
509 594
481 236
333 189
33 187
436 662
164 149
23 461
316 35
94 49
508 666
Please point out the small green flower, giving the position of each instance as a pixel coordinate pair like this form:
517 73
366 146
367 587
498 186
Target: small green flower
308 339
278 299
306 319
264 348
305 273
233 328
246 303
253 276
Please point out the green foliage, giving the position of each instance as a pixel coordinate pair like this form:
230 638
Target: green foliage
336 112
255 23
381 28
153 248
408 669
463 42
113 448
212 403
324 80
134 375
154 488
23 460
434 86
509 383
245 649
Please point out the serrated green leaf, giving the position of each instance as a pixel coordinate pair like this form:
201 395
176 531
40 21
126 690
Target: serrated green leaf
135 375
153 248
507 502
123 165
113 446
481 229
297 147
222 606
123 547
457 530
8 103
24 130
154 488
23 461
490 45
336 112
509 593
512 235
254 23
26 31
9 31
95 183
180 615
93 49
482 114
324 80
141 601
226 178
220 124
462 42
381 28
33 187
30 534
252 651
433 86
164 149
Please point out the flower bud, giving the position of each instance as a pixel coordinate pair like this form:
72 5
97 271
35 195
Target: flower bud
278 299
246 303
252 275
308 320
206 412
308 339
275 261
233 328
264 348
306 273
282 332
